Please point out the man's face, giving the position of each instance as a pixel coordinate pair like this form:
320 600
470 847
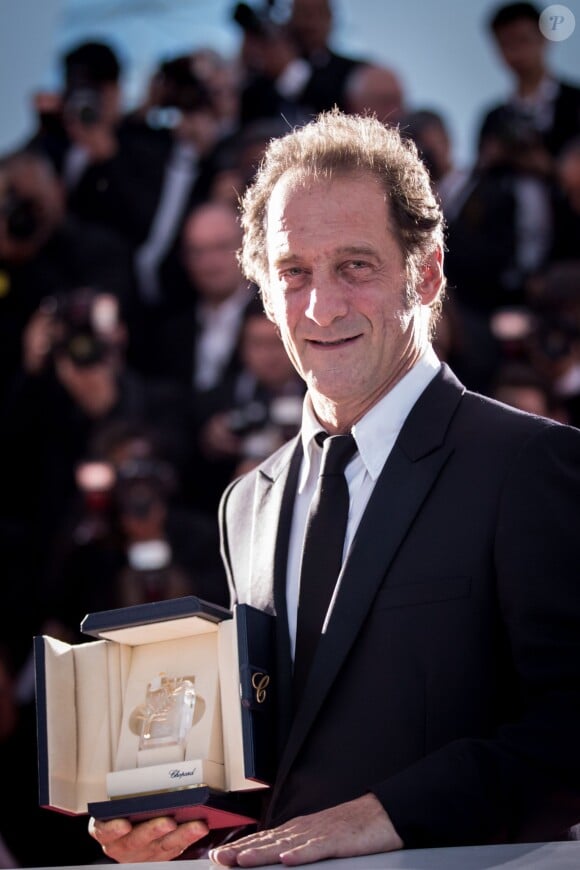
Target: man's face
210 240
337 291
263 353
522 46
378 92
311 22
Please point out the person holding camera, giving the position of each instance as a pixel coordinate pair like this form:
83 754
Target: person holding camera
109 166
45 250
126 539
74 378
290 69
140 172
549 105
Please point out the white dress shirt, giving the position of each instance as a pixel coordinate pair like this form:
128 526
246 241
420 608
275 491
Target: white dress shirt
375 435
219 334
179 177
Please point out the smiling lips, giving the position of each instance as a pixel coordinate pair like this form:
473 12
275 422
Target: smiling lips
337 342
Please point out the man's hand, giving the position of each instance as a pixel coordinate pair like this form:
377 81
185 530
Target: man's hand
160 839
359 827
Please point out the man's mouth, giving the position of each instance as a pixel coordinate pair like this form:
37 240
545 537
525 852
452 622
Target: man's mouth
337 342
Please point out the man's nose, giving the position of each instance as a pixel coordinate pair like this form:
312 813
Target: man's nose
327 301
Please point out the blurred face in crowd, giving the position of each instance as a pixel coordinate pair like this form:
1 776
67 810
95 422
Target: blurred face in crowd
435 145
263 353
376 91
211 237
338 292
32 206
522 47
310 23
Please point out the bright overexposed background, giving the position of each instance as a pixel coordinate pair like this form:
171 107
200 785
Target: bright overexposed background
440 48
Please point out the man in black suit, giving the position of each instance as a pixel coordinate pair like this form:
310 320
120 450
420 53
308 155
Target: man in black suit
549 106
441 705
291 70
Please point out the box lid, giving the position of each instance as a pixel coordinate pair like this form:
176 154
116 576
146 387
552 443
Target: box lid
107 623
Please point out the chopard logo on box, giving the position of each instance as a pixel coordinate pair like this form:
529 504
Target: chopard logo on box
179 774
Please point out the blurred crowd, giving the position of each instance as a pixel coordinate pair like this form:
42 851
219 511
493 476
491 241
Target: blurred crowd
139 373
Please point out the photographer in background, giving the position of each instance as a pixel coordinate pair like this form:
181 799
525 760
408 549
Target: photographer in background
108 165
134 173
44 250
310 24
503 232
551 106
555 344
184 114
290 70
74 378
76 126
126 540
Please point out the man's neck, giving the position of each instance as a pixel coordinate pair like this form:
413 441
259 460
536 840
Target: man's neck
528 85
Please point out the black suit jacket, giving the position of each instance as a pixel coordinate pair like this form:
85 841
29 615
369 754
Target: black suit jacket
565 125
448 681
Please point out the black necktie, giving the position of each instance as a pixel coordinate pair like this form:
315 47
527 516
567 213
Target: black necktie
323 547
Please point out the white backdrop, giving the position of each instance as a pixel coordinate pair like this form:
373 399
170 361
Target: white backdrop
440 48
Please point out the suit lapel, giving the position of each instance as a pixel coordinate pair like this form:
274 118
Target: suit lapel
260 555
275 491
411 470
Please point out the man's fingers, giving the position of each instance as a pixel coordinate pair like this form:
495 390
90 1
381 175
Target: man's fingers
160 839
108 832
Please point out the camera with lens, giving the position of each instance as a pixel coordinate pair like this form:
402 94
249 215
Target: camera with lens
248 418
556 337
83 320
250 20
83 103
20 215
263 426
140 485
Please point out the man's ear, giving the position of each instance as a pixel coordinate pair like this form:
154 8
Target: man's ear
432 279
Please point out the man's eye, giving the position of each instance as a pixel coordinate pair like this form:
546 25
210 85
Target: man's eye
356 265
292 273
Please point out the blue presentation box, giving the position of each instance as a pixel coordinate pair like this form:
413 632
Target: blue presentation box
107 742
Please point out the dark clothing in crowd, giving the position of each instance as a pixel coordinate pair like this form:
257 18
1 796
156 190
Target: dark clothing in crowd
78 254
59 840
44 435
92 572
563 125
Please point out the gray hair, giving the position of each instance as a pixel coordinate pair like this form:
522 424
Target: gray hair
337 144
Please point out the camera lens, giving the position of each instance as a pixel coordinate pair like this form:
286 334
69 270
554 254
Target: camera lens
21 217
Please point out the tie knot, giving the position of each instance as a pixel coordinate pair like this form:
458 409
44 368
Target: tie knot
337 451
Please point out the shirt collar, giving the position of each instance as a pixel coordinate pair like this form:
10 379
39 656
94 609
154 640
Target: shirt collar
376 432
230 307
546 92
